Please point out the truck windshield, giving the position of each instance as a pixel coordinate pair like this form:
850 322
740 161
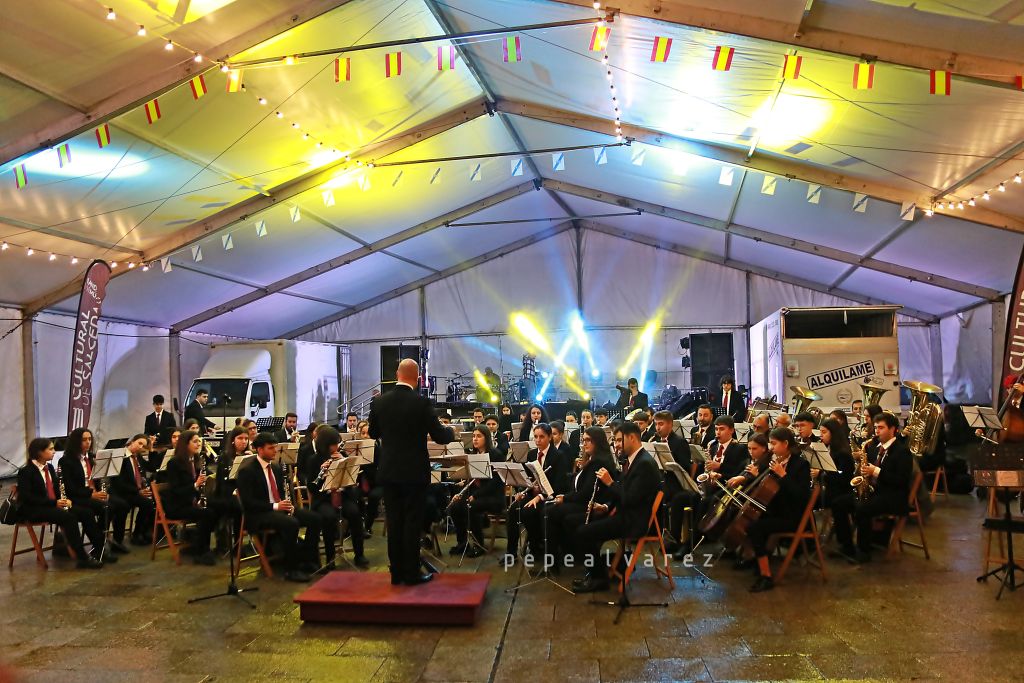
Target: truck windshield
234 388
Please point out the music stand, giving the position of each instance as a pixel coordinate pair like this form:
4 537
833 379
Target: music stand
743 432
478 466
466 438
984 418
1003 468
108 464
518 451
287 453
540 479
697 454
269 424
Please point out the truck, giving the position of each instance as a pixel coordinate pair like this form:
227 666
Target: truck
263 379
830 351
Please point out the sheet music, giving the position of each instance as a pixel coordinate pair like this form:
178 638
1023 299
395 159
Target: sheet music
287 453
661 452
697 454
348 436
341 473
816 453
683 477
467 439
512 473
541 479
518 451
361 449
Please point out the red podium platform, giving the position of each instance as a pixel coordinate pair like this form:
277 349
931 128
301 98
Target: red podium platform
369 597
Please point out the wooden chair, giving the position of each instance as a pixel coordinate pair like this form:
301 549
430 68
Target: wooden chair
162 523
940 473
38 539
807 530
258 541
896 541
653 537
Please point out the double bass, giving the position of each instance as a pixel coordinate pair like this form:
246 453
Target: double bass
1011 416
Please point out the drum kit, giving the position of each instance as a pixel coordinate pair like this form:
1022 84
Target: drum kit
462 388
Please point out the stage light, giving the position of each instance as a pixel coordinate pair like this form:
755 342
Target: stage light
544 375
595 373
533 336
644 342
539 397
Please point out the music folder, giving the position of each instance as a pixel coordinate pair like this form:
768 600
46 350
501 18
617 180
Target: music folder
541 479
512 473
287 453
108 463
341 473
816 453
518 451
238 462
697 454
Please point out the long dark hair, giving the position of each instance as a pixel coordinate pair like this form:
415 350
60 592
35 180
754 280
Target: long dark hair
229 447
325 438
528 423
181 453
73 446
487 437
787 436
602 449
36 447
839 441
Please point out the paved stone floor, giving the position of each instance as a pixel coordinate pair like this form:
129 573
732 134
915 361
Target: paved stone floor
902 619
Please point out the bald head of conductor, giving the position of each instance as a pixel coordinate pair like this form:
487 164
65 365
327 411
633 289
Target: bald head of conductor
408 372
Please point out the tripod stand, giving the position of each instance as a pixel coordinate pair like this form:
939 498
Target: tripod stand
545 572
1010 567
232 589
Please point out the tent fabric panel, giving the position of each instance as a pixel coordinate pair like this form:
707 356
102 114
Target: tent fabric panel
967 356
913 294
395 318
916 354
360 280
12 408
786 261
268 318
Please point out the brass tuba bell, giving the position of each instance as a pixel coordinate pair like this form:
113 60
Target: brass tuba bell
925 420
872 393
802 400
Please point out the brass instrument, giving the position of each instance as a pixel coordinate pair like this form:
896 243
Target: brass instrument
872 397
861 485
732 496
802 400
60 486
760 405
925 421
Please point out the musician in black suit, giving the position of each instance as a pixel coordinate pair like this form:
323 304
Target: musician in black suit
586 420
159 420
527 509
478 498
731 400
194 411
835 484
803 425
403 420
630 396
724 455
498 439
132 486
890 470
334 505
569 510
289 431
793 474
632 498
350 423
39 501
261 488
645 421
534 416
75 468
180 497
559 441
703 433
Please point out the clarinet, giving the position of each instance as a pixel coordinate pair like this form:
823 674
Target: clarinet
60 486
288 484
202 472
590 505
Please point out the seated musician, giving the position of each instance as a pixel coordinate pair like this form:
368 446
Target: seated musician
250 425
784 420
39 501
626 516
586 421
370 492
336 504
761 424
570 418
478 498
524 509
350 424
890 470
290 430
650 433
803 425
478 416
601 415
569 510
867 430
75 468
534 416
793 476
260 486
835 484
498 439
703 434
181 496
559 442
841 417
132 486
643 421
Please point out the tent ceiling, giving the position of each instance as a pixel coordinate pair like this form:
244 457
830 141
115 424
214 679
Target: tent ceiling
153 187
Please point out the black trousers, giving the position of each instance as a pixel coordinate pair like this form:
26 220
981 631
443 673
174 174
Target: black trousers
116 508
765 526
590 537
405 505
205 520
470 518
286 528
331 515
143 520
67 521
369 504
847 510
515 519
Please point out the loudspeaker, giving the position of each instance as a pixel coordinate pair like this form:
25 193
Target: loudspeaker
390 357
711 357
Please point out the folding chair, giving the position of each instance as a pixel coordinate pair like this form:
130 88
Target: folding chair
940 473
807 530
163 523
258 540
896 541
655 539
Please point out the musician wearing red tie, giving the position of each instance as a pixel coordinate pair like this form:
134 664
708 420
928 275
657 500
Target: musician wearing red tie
630 397
132 486
333 505
890 470
731 401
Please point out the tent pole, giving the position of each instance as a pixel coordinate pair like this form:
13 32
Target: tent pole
998 338
28 377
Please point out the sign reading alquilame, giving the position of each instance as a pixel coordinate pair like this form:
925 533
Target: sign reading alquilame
864 368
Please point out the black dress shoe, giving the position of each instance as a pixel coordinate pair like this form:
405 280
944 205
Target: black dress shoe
297 575
88 562
361 561
763 583
457 549
397 580
741 565
119 547
475 551
367 533
590 584
419 579
106 558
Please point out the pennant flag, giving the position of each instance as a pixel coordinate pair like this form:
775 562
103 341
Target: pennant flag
64 154
152 111
517 167
725 176
296 214
768 184
723 58
601 156
558 161
941 83
511 50
639 154
198 85
392 64
436 177
446 58
860 202
20 178
813 194
227 242
165 264
103 136
1019 82
364 182
791 67
342 69
261 228
599 38
235 80
662 47
197 253
328 198
394 183
863 76
476 176
907 211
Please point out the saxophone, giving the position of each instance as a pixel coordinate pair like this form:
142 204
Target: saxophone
861 485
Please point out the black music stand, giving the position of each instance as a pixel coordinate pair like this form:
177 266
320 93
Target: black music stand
1002 467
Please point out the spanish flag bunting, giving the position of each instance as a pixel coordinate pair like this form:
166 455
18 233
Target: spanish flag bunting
511 50
20 179
152 111
198 85
941 83
446 58
791 67
235 80
863 76
64 155
599 39
662 46
342 69
1019 82
103 136
392 64
723 58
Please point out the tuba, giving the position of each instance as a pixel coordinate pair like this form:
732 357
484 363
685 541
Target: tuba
925 421
802 400
872 397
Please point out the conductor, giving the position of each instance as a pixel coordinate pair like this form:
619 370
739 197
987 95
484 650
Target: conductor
403 420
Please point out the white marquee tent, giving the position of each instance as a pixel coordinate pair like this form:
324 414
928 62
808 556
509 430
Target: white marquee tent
431 205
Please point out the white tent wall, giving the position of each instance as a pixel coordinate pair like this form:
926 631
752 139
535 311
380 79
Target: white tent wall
967 352
12 408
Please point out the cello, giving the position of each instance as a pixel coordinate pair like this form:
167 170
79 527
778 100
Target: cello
1011 416
760 497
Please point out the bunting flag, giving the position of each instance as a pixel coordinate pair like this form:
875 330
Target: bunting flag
600 156
941 83
599 38
153 111
725 176
394 183
863 76
768 185
907 211
1019 82
227 242
235 80
364 182
342 69
791 67
558 161
639 154
392 64
860 202
64 154
511 50
261 228
165 264
328 198
517 167
662 47
198 85
723 58
197 253
814 194
436 177
20 178
446 58
296 214
476 175
103 136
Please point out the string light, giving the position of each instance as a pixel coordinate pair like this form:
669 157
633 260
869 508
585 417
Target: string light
929 212
141 32
198 58
30 251
168 45
262 100
986 196
278 114
145 267
4 247
971 202
74 260
224 68
110 14
295 125
1002 187
53 257
1016 178
114 264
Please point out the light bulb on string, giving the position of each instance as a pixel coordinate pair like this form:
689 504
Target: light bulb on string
4 247
131 264
986 196
295 125
114 264
289 60
1002 187
30 251
74 260
262 100
145 267
278 114
941 206
305 136
960 205
111 15
971 202
53 257
1016 178
928 212
224 68
168 46
141 32
197 58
